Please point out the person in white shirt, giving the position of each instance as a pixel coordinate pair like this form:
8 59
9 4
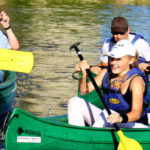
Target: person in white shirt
121 30
8 40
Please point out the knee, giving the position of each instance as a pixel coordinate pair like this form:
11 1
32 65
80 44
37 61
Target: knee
75 100
72 99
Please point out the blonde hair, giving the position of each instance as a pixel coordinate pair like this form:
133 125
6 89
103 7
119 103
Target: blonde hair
133 65
136 60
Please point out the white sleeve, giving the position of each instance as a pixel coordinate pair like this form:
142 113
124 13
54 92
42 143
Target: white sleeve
4 42
143 49
105 49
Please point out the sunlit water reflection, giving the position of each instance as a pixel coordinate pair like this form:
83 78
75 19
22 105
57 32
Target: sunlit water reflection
48 29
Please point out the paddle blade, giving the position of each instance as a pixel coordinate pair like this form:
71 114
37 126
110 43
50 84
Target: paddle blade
18 61
127 143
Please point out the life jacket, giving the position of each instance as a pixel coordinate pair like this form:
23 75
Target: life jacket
137 36
123 103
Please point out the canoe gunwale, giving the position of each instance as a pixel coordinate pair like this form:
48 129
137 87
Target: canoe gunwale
58 122
11 78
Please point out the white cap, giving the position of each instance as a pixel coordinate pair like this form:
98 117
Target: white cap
121 49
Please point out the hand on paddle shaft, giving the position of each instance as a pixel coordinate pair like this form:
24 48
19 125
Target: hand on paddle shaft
125 143
75 46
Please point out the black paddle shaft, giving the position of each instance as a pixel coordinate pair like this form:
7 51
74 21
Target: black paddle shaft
75 46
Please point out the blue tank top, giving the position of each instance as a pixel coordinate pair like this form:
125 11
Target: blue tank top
122 103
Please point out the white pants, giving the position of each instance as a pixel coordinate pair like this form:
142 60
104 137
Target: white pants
78 113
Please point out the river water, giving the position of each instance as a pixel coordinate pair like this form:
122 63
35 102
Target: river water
47 28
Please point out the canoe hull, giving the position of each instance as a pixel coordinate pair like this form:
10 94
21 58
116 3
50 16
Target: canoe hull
8 92
7 95
30 132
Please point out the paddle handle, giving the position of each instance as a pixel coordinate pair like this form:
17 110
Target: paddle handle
78 53
95 85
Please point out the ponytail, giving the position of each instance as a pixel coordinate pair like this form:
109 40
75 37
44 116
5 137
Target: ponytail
136 60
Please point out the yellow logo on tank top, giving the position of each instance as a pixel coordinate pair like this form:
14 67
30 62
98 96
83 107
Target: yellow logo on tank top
114 101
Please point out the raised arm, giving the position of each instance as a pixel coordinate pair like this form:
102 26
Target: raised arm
87 87
137 99
5 22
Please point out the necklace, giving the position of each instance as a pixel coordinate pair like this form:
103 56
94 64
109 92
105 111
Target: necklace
117 83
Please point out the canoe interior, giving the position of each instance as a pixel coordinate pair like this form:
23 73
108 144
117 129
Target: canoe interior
31 132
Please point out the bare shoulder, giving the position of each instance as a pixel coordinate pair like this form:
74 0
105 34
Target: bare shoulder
102 73
96 69
137 82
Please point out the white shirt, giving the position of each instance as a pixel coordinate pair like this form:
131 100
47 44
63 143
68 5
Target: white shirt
4 43
141 45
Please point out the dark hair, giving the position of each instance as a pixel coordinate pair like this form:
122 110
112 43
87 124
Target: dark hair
119 25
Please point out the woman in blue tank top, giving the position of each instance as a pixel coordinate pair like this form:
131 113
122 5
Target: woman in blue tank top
125 90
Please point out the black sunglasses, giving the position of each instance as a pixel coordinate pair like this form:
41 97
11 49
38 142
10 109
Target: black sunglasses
115 33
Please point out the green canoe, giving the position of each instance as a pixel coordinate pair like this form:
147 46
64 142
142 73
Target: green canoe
29 132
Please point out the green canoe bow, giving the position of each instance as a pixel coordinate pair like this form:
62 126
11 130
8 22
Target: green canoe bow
29 132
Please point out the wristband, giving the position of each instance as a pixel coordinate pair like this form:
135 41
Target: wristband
7 27
124 118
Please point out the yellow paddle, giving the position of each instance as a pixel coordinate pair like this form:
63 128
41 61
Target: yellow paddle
18 61
125 143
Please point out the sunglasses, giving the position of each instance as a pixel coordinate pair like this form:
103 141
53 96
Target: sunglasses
115 33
